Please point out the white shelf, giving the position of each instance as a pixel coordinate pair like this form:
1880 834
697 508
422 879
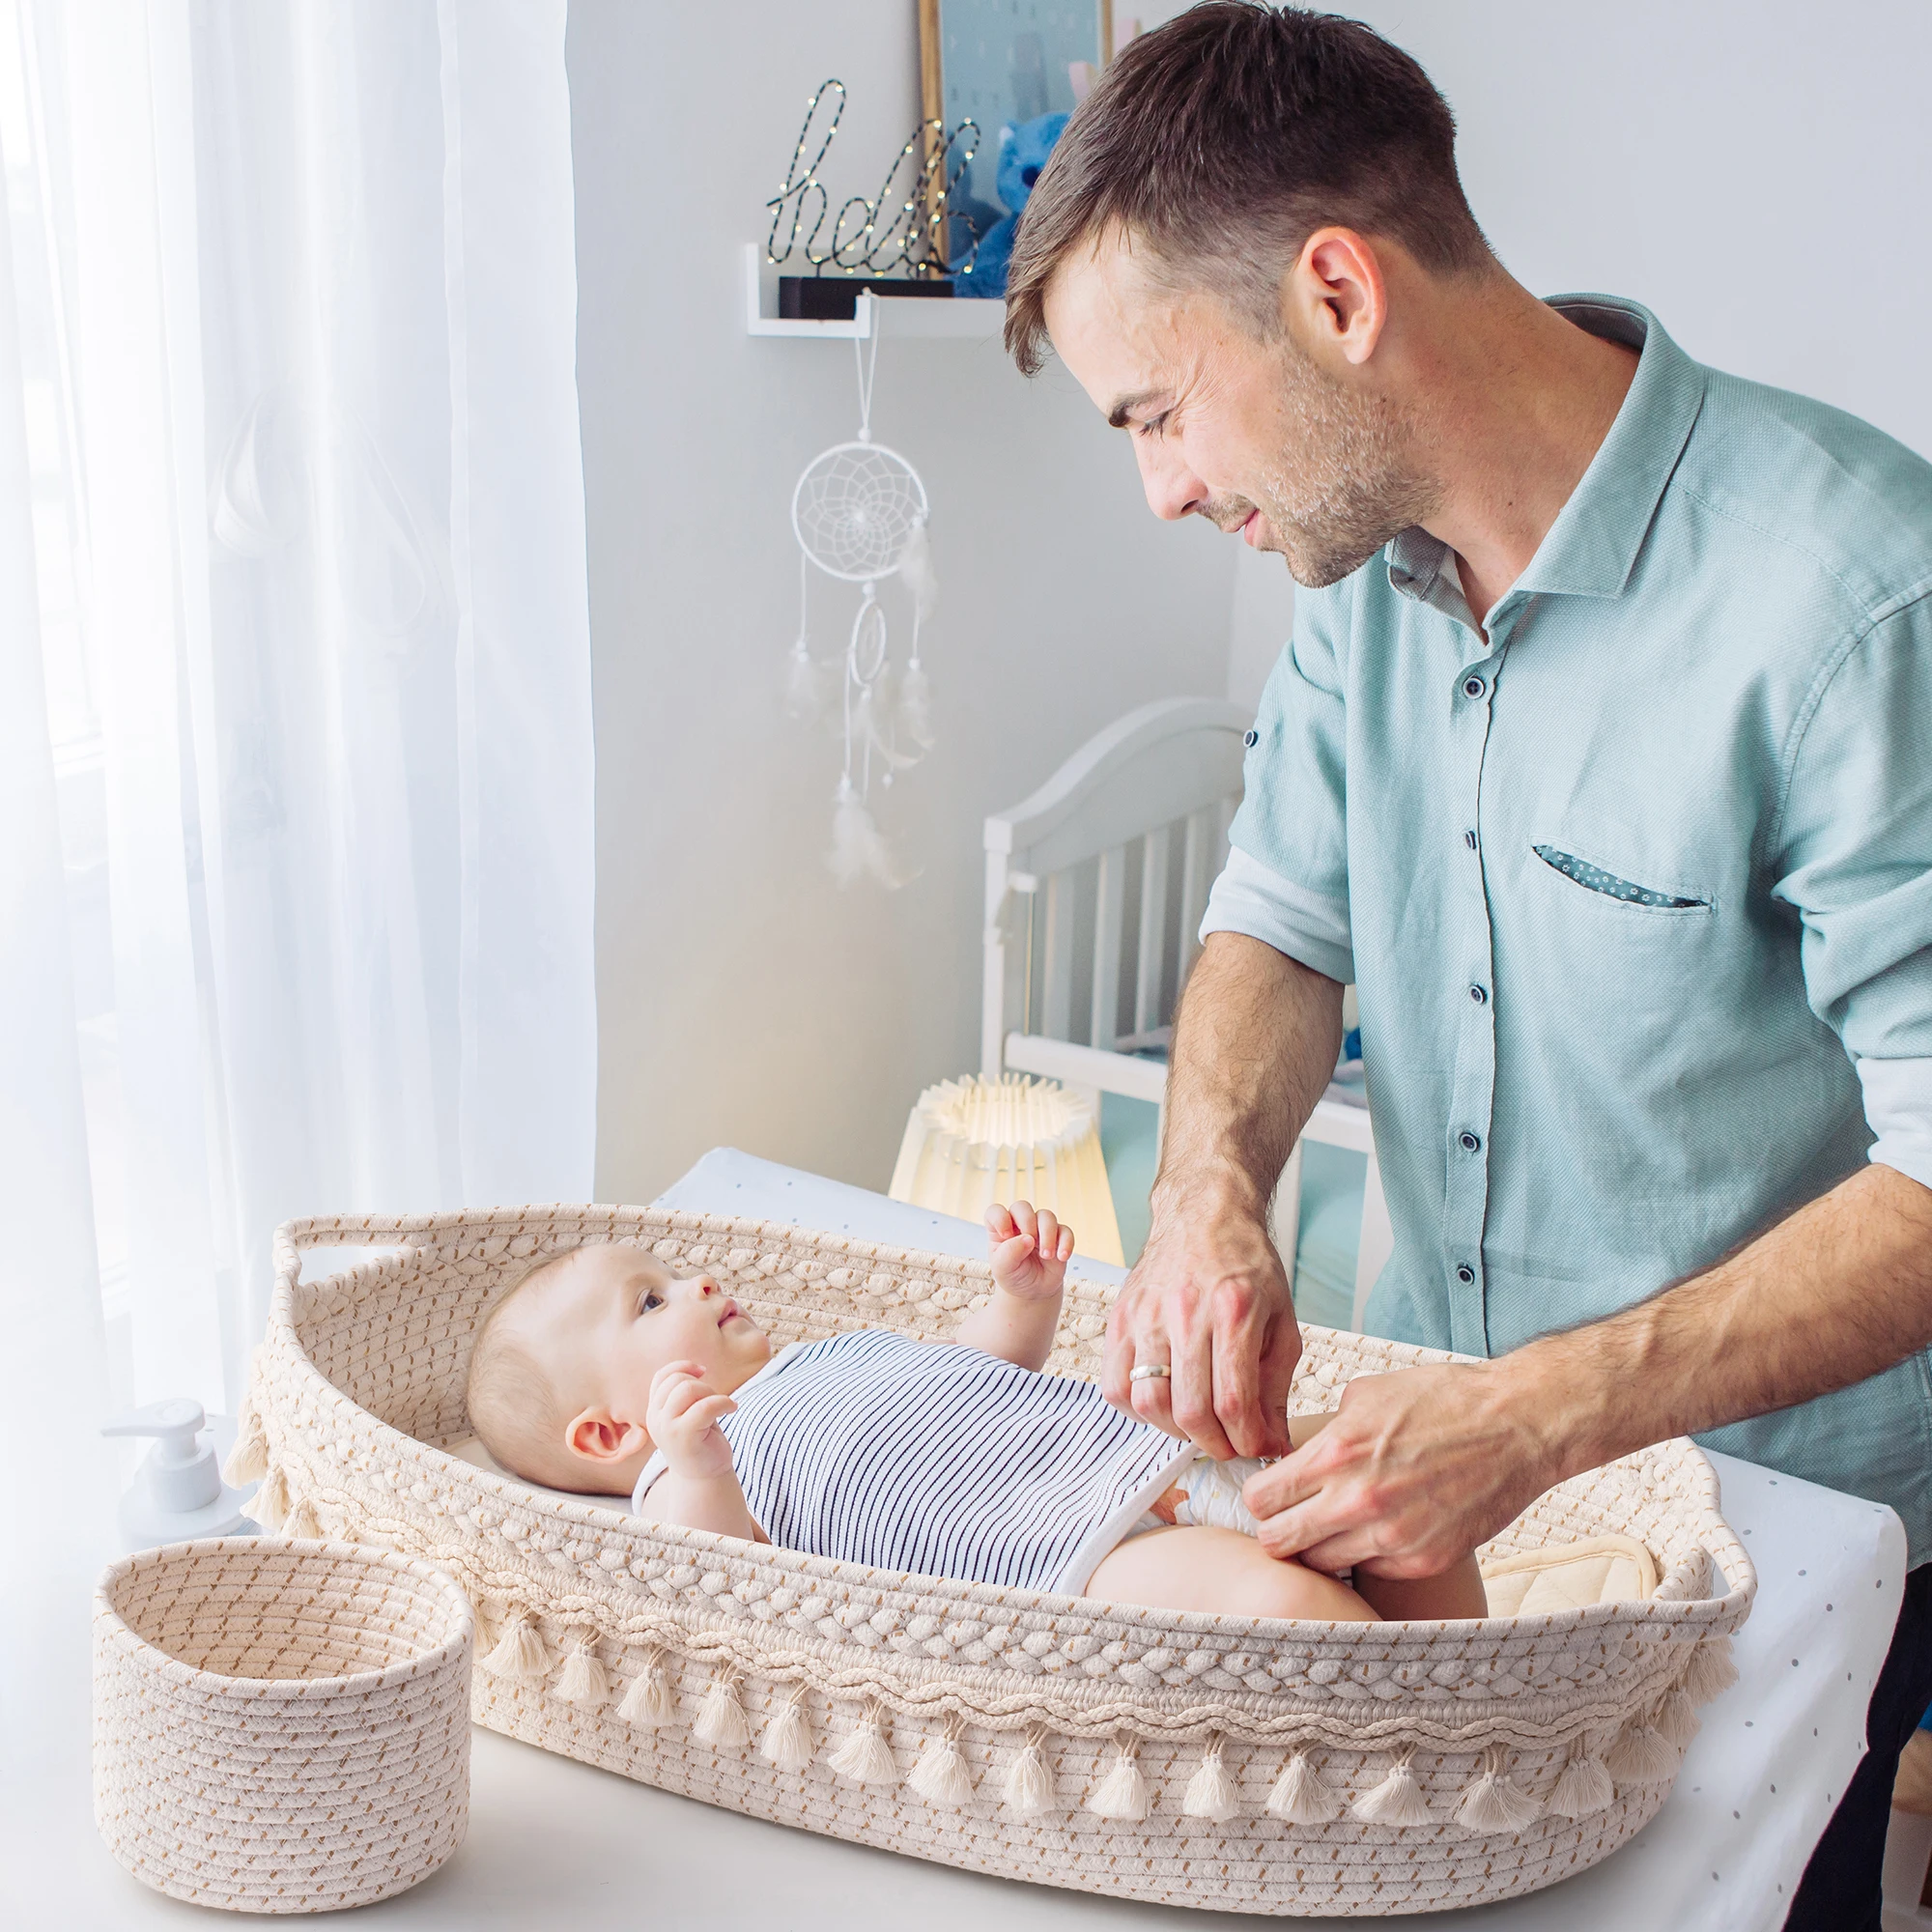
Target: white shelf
896 316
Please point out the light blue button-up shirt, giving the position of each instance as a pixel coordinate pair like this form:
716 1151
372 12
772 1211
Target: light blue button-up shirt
1633 888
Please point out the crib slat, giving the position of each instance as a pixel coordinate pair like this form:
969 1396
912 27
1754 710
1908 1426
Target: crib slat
1109 899
1153 953
1196 876
1057 968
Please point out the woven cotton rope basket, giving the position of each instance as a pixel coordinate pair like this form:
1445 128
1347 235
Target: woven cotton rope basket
280 1726
1292 1768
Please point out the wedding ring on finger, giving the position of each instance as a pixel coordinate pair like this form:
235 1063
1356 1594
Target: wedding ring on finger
1149 1372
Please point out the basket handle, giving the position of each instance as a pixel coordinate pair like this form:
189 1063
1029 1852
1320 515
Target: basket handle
345 1231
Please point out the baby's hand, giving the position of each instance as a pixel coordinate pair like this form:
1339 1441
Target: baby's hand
681 1419
1029 1251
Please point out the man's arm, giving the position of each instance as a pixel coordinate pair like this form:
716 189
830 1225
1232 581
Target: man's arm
1254 1044
1417 1469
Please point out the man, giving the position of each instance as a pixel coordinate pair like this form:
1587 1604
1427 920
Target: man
1599 762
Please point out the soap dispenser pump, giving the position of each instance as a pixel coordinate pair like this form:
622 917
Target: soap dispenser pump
178 1492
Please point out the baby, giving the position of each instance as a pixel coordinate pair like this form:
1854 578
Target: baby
603 1373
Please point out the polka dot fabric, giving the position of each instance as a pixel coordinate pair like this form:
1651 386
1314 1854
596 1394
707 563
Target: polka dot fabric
1595 879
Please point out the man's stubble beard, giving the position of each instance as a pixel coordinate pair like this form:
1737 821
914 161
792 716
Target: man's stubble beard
1356 483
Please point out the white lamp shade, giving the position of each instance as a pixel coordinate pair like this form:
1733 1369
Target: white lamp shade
971 1142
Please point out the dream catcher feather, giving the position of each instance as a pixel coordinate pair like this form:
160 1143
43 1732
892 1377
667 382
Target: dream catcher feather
860 513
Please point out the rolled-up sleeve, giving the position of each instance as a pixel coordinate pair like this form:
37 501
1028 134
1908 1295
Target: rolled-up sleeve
1853 859
1286 877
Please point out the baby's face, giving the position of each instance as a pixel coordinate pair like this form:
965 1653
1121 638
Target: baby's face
616 1315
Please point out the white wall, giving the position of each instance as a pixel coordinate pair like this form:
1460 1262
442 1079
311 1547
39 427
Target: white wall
742 996
1756 171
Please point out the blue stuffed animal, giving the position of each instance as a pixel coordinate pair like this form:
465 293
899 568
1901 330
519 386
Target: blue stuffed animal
1024 146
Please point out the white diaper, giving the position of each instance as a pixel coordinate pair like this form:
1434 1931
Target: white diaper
1211 1493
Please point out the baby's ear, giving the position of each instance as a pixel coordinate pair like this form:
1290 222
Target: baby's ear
598 1437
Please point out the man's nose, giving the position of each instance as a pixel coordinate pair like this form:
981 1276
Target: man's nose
1172 490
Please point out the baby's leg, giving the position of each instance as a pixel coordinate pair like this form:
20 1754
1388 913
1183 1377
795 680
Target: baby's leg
1199 1568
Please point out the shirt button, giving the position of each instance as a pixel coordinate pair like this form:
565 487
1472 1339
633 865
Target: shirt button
1477 994
1470 1142
1251 739
1469 839
1465 1275
1472 686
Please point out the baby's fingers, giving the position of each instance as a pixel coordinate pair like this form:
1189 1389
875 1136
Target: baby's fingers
713 1409
1065 1250
1000 1222
1046 1235
1026 1221
1012 1254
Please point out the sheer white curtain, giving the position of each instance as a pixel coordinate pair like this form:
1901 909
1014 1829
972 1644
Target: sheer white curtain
295 676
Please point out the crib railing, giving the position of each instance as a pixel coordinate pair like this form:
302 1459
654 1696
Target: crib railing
1095 889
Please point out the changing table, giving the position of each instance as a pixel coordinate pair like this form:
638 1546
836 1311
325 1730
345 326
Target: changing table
552 1842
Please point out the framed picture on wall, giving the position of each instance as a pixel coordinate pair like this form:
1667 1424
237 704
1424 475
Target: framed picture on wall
995 61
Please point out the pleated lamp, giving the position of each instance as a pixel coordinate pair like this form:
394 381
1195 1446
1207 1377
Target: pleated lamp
975 1141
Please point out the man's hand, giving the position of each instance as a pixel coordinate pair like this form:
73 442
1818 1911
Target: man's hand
1414 1470
681 1419
1209 1301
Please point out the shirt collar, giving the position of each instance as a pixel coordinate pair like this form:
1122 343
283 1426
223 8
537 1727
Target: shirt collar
1590 548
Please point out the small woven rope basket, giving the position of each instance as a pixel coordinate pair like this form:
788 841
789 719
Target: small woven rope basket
280 1726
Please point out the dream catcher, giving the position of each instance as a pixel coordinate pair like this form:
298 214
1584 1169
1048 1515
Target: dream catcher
859 515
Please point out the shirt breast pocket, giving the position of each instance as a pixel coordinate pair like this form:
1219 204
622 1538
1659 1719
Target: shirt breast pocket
1588 876
1623 944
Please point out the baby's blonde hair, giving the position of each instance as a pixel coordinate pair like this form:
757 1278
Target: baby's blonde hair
514 1407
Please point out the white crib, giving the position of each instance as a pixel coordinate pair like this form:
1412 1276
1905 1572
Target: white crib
1096 888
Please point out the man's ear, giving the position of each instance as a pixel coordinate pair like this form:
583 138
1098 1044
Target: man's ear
598 1437
1334 297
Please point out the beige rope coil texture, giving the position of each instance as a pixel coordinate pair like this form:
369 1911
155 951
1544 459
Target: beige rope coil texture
280 1726
1212 1761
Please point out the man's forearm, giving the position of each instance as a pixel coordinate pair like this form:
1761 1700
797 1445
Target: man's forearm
1840 1291
1254 1044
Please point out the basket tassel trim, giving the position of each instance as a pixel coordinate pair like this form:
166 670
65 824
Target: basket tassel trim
1640 1753
582 1681
303 1522
1030 1788
942 1776
1123 1792
1302 1796
787 1739
1583 1786
1710 1672
1677 1720
721 1719
1210 1792
648 1701
248 1460
1397 1799
864 1755
271 1507
1495 1802
520 1655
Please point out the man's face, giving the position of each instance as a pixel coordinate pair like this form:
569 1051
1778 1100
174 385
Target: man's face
1253 434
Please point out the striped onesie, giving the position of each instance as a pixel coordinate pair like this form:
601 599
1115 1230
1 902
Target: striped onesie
940 1460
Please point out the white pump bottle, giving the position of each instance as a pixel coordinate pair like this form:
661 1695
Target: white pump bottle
178 1492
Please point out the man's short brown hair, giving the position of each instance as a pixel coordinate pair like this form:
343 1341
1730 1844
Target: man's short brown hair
1221 141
